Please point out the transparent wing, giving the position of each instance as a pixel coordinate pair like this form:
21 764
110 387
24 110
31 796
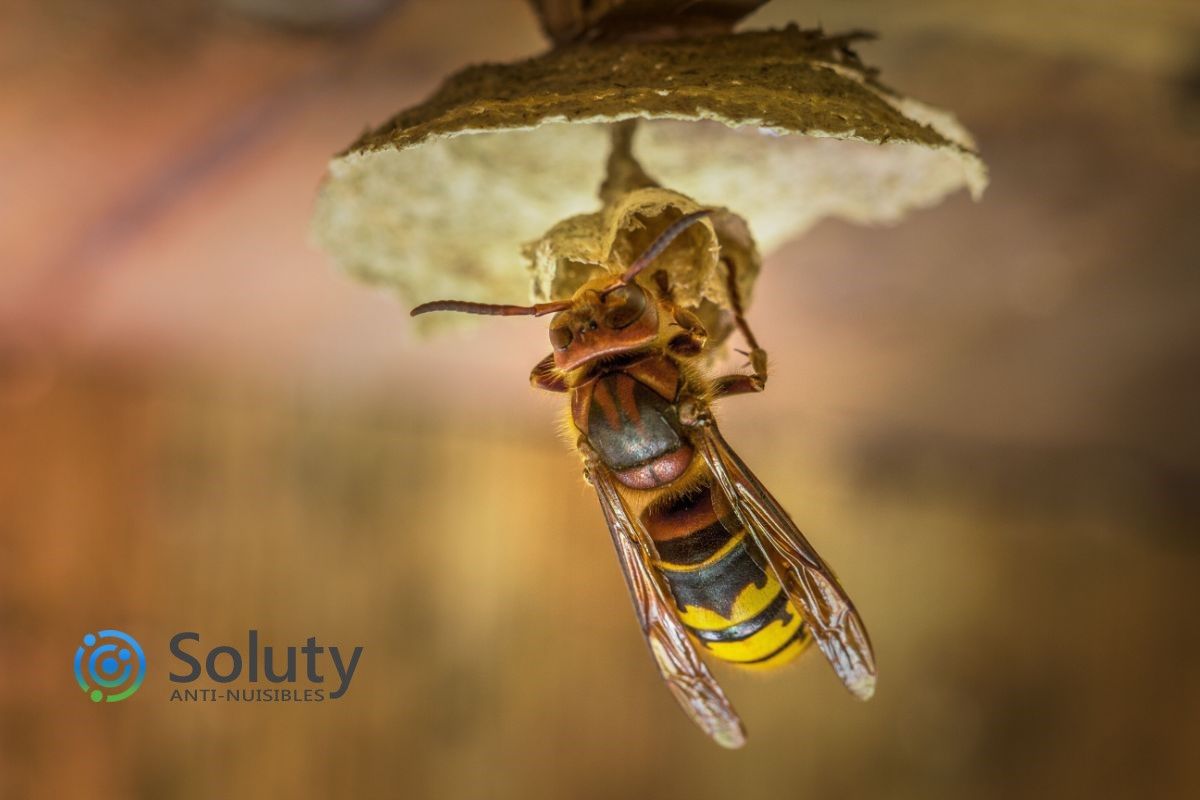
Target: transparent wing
686 675
807 579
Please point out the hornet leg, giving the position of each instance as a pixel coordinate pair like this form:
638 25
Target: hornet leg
742 384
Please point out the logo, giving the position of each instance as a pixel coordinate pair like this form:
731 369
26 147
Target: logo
109 666
309 673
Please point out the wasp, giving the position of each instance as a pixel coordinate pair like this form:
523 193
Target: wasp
713 563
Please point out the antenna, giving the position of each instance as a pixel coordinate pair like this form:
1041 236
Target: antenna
491 309
664 239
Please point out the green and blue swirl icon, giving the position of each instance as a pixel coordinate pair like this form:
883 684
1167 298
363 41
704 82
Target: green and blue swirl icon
109 666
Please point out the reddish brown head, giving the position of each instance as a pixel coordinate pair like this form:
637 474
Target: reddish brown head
607 316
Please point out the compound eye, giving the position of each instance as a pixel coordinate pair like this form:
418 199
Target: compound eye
560 338
624 306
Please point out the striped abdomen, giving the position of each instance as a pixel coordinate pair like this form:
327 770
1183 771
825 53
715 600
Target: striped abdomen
730 603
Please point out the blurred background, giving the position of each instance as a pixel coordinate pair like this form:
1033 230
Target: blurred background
984 417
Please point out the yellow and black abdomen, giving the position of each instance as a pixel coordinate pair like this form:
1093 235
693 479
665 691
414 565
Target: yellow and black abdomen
732 604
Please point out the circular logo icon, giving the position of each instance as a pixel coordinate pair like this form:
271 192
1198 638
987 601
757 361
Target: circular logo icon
109 666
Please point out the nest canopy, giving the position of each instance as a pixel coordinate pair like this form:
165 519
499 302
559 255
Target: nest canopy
782 127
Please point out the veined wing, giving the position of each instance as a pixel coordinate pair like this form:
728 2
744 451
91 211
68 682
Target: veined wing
807 579
680 665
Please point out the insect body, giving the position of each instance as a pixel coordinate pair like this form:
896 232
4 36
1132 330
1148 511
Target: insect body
728 599
712 561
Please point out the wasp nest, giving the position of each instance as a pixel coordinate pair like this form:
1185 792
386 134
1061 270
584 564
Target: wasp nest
782 127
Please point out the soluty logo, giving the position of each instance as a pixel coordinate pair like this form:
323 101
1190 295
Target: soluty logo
109 666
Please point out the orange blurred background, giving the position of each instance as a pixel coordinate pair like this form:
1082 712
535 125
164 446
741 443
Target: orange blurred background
984 418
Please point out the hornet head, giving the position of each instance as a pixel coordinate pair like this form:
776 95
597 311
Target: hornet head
607 316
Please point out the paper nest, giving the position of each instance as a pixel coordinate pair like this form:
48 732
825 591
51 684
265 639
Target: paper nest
490 190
